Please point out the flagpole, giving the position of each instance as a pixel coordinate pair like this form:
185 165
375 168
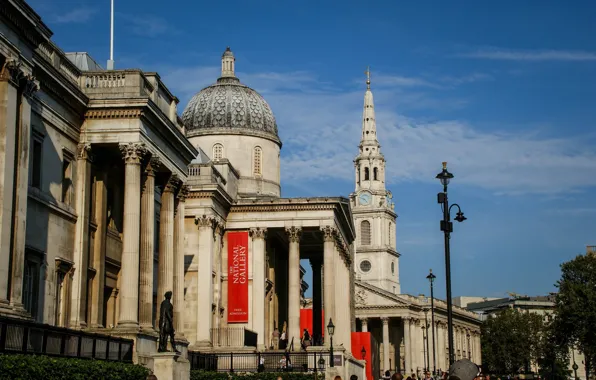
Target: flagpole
111 61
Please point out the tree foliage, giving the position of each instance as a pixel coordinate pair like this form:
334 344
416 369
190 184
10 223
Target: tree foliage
511 341
576 306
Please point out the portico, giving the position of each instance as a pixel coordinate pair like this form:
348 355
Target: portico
282 232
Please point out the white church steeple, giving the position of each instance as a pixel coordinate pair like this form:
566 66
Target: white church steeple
377 260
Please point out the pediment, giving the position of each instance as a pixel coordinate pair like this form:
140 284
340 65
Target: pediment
372 296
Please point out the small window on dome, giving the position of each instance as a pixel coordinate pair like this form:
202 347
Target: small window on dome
217 152
257 161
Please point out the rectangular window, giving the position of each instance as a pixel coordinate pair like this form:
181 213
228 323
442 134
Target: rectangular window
36 164
31 276
59 298
67 180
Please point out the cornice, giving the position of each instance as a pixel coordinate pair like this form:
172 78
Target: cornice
229 131
26 21
60 79
111 113
281 207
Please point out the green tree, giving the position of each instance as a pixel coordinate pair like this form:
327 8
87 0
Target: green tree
511 341
553 356
576 306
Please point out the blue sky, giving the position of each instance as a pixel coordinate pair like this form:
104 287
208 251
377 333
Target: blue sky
504 91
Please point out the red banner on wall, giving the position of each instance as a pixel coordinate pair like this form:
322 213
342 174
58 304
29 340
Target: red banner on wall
238 277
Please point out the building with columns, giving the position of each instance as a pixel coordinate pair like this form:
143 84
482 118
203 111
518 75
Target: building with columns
109 199
400 323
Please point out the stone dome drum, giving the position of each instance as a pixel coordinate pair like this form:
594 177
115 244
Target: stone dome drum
229 107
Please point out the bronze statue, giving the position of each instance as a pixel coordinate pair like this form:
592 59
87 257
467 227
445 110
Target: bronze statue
166 324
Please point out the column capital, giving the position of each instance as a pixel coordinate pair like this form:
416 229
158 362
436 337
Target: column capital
385 320
30 86
172 184
294 233
183 193
329 233
11 71
132 153
205 221
258 233
363 319
84 152
152 166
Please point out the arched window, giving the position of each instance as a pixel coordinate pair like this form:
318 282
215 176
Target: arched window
365 232
366 174
217 152
375 174
257 161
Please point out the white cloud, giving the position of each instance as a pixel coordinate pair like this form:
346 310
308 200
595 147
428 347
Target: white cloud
147 25
77 15
320 128
530 55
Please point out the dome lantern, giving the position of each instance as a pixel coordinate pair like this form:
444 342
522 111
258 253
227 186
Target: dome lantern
227 64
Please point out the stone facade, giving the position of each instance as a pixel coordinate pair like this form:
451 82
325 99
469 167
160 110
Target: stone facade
109 199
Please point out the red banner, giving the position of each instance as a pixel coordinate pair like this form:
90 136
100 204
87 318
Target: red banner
238 277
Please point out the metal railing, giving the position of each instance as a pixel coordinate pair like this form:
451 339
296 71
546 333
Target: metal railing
233 337
259 361
26 337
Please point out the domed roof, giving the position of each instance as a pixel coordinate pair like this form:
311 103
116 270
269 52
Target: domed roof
229 107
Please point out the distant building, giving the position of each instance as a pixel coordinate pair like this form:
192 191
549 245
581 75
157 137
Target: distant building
543 305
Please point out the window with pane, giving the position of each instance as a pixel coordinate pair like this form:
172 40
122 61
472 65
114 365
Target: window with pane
217 152
31 276
67 178
258 161
365 232
36 161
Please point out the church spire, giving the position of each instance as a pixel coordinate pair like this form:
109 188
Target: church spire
369 125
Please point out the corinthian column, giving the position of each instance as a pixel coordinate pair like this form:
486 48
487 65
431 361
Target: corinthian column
294 235
165 276
147 246
329 275
81 245
179 234
408 345
204 257
129 271
386 365
258 284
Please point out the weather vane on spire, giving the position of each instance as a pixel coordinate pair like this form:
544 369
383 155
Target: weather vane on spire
367 72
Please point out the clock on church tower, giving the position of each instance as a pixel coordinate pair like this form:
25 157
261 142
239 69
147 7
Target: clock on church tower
377 260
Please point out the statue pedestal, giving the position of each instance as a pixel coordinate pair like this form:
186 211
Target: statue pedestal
170 366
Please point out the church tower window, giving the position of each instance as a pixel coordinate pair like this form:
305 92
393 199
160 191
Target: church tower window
217 152
389 233
257 161
375 174
366 174
365 232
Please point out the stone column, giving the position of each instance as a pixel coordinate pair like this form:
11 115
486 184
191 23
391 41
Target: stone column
165 275
386 344
478 350
206 226
9 88
317 302
408 345
258 284
23 132
294 235
99 249
440 346
81 242
179 235
416 336
364 322
129 271
329 279
147 246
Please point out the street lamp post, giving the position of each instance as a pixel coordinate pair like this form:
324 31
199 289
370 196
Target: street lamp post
447 227
427 339
331 330
431 278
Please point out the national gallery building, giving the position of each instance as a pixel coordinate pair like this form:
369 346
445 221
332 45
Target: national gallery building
110 198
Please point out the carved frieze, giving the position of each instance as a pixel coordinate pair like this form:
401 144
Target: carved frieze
294 233
361 297
114 114
132 153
